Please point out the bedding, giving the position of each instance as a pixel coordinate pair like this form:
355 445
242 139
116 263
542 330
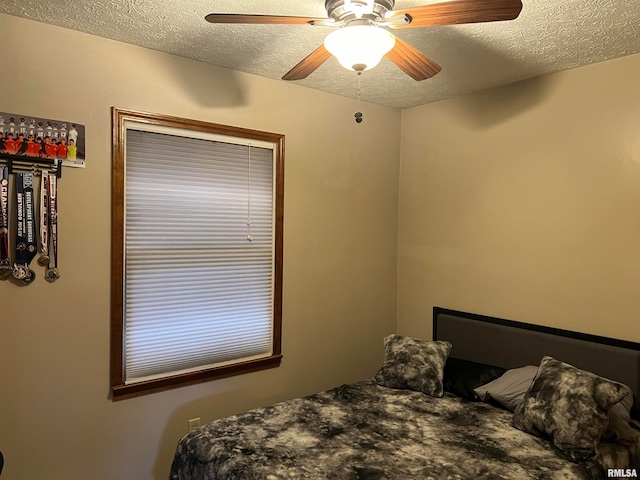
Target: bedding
569 406
612 455
619 428
413 364
406 424
462 377
509 389
367 431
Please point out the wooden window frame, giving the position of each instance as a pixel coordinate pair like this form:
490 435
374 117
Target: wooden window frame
121 390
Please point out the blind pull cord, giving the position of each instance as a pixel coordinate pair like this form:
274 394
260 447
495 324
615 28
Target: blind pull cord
249 236
358 114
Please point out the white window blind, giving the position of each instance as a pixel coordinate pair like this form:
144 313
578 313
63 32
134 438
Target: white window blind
198 291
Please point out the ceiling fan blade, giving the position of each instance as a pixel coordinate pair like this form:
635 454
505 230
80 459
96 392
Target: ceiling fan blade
263 19
412 62
308 65
459 12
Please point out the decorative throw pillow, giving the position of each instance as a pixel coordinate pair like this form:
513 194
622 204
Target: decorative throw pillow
569 406
510 388
413 364
462 376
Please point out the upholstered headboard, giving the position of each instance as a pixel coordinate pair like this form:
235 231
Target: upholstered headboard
510 344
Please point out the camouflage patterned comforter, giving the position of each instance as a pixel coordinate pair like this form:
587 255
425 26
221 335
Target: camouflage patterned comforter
365 431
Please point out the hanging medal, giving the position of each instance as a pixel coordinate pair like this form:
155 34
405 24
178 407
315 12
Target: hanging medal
25 229
52 273
43 260
5 261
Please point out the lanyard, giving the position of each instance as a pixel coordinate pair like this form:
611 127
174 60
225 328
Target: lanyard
25 231
52 273
5 261
43 260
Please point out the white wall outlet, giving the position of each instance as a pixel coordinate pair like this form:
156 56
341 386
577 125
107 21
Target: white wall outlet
193 424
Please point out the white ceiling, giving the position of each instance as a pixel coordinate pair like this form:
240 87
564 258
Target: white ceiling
548 36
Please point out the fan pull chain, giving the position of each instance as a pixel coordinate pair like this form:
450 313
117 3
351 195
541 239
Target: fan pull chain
249 236
358 114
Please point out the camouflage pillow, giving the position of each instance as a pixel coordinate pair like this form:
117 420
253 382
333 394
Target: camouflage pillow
569 406
413 364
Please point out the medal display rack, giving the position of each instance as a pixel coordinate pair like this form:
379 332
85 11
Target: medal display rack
29 239
31 164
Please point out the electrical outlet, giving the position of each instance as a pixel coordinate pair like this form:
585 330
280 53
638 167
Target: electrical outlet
193 424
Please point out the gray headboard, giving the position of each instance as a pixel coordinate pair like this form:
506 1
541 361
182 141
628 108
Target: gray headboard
509 344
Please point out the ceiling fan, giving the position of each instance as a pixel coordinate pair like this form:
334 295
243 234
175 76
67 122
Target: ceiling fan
363 38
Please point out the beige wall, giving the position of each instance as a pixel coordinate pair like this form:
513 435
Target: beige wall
520 202
341 190
523 202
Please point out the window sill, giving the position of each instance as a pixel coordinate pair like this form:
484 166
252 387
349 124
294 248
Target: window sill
121 391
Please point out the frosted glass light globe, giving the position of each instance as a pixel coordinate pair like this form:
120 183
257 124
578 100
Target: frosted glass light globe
359 47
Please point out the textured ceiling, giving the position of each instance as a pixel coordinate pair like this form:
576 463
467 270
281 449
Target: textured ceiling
548 36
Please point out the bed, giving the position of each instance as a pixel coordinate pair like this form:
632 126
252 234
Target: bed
462 419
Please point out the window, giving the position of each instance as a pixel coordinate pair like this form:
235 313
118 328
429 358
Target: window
196 287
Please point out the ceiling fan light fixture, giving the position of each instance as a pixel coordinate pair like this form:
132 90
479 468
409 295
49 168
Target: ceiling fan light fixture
359 7
359 47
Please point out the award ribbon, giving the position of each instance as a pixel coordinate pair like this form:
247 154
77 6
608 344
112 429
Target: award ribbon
52 273
25 231
5 261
